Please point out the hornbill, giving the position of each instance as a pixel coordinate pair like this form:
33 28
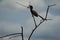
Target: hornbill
33 12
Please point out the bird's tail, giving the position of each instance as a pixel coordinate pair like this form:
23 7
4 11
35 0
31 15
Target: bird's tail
41 17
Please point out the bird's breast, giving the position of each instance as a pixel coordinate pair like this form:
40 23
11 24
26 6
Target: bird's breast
34 13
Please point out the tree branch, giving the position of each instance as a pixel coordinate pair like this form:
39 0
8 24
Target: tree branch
34 30
36 26
10 35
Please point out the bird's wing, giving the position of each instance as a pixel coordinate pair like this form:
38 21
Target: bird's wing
34 13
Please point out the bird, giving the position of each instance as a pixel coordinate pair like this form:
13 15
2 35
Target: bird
33 12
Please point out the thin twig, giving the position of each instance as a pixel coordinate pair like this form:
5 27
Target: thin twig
34 21
10 35
22 33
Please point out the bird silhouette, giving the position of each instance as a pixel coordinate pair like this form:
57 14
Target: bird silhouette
33 12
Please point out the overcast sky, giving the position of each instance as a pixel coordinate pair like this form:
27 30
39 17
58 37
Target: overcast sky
13 16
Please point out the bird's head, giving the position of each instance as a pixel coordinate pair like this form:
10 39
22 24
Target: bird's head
30 6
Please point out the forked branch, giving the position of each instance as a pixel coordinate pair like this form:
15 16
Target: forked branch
36 26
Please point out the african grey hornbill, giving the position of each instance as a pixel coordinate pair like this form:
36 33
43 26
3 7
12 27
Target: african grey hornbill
33 12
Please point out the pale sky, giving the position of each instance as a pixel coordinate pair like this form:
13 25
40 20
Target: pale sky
13 16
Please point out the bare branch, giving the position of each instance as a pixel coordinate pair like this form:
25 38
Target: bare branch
22 33
36 26
34 30
11 35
